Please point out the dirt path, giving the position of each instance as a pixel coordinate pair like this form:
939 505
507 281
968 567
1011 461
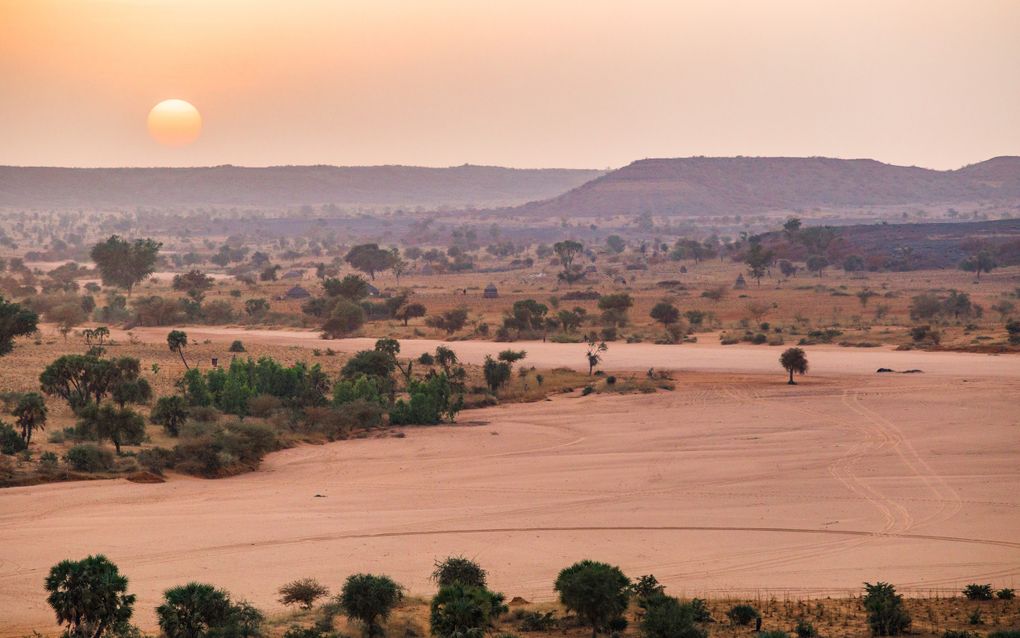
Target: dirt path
725 485
705 356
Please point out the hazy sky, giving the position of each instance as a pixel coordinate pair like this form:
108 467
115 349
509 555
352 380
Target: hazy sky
530 83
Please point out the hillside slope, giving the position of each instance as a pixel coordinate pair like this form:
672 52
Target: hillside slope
460 186
743 185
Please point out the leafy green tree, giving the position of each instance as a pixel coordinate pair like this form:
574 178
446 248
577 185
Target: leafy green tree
886 614
496 373
193 283
344 318
368 599
571 320
195 610
981 261
460 610
567 251
89 597
171 412
451 320
369 259
31 414
350 287
410 311
15 321
794 360
123 263
120 425
614 308
177 341
665 313
596 592
616 244
816 264
758 260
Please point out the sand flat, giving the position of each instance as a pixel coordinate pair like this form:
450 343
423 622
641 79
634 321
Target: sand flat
731 483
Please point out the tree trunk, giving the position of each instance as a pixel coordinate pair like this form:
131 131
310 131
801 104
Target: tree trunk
792 382
180 351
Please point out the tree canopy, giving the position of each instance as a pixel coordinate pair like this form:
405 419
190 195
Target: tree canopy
123 263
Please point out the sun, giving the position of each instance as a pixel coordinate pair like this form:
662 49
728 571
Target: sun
175 123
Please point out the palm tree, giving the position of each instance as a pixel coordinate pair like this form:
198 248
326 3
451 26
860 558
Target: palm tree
794 360
178 341
31 414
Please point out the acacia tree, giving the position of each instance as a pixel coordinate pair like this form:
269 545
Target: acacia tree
369 258
31 414
597 592
124 263
409 311
758 260
177 341
193 283
15 321
120 425
981 261
90 597
794 360
665 313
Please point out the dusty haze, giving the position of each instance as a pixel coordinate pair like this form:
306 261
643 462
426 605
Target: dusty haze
520 83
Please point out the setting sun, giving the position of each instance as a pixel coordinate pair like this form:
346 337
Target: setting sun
175 123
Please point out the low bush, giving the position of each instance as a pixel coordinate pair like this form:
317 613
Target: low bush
534 620
236 346
303 592
804 629
88 457
742 614
1005 594
886 614
10 441
156 459
975 591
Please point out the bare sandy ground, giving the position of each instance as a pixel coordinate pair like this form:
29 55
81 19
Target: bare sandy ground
705 356
734 482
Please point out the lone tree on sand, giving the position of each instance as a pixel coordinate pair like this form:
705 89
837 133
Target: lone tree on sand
177 340
794 360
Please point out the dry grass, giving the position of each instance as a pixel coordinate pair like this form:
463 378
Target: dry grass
832 617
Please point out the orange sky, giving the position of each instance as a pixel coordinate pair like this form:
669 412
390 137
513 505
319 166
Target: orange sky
584 83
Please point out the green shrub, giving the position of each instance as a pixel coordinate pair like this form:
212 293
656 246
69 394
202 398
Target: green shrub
88 457
10 441
534 621
236 346
886 615
597 592
368 598
669 618
464 611
156 459
588 389
197 610
1005 594
975 591
458 569
1005 633
430 401
804 629
742 614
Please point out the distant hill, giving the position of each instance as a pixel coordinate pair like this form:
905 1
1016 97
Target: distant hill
279 186
745 185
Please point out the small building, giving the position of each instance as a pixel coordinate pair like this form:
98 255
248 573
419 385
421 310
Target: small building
294 274
490 292
740 284
297 292
372 290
